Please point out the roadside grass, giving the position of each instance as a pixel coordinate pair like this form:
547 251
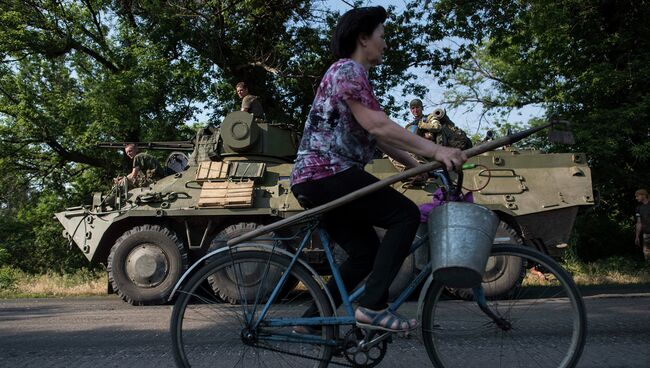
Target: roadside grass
17 284
615 270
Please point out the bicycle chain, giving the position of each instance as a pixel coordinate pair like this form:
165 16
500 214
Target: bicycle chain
343 352
303 356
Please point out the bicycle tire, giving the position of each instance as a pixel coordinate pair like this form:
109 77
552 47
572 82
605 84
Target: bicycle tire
456 333
207 331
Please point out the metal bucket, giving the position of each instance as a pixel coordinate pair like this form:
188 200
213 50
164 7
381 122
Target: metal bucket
460 239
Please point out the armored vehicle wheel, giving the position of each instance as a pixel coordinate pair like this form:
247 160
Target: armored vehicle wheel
145 263
503 274
223 283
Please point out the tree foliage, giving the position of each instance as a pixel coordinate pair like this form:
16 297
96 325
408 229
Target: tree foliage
77 72
587 61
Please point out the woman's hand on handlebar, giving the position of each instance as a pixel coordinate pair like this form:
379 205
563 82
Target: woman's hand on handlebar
451 158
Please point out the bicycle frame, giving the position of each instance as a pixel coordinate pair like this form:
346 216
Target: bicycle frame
347 299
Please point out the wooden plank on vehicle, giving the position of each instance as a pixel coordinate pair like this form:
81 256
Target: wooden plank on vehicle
226 194
212 170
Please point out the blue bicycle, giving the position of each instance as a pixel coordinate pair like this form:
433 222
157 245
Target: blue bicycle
540 323
258 320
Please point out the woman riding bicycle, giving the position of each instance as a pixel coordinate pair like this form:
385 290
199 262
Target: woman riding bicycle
344 127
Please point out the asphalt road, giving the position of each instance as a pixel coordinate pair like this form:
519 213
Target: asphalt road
105 332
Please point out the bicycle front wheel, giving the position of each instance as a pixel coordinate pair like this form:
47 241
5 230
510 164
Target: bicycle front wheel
206 331
542 325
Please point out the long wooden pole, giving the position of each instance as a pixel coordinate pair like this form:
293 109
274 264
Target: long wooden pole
476 150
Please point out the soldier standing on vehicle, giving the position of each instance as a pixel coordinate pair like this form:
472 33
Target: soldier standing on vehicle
146 169
249 103
642 227
417 109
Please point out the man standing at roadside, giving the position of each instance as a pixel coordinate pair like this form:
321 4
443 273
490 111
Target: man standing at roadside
642 227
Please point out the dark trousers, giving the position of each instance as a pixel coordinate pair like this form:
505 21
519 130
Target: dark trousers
351 227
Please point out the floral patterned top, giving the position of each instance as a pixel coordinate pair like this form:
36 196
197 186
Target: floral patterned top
333 140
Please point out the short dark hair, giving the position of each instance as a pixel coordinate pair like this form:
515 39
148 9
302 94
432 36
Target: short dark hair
355 22
241 85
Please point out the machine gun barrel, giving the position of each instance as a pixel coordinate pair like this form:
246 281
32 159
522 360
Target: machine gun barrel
441 115
168 146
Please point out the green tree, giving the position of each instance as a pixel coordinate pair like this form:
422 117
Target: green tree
74 73
280 48
587 61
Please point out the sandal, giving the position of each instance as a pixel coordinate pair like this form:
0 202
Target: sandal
385 320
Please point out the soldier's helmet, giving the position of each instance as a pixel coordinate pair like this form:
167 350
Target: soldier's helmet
415 102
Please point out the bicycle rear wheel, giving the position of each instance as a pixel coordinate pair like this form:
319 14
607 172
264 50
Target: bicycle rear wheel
542 325
209 332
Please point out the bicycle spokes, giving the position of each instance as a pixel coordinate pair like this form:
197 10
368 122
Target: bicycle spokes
209 331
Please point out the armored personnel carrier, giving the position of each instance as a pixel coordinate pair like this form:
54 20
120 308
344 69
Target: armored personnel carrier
237 179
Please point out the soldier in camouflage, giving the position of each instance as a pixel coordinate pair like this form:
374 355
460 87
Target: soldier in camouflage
417 109
146 169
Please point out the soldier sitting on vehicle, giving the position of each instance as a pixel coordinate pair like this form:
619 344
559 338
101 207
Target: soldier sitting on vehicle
489 136
146 169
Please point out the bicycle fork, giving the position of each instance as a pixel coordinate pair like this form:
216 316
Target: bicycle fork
501 322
